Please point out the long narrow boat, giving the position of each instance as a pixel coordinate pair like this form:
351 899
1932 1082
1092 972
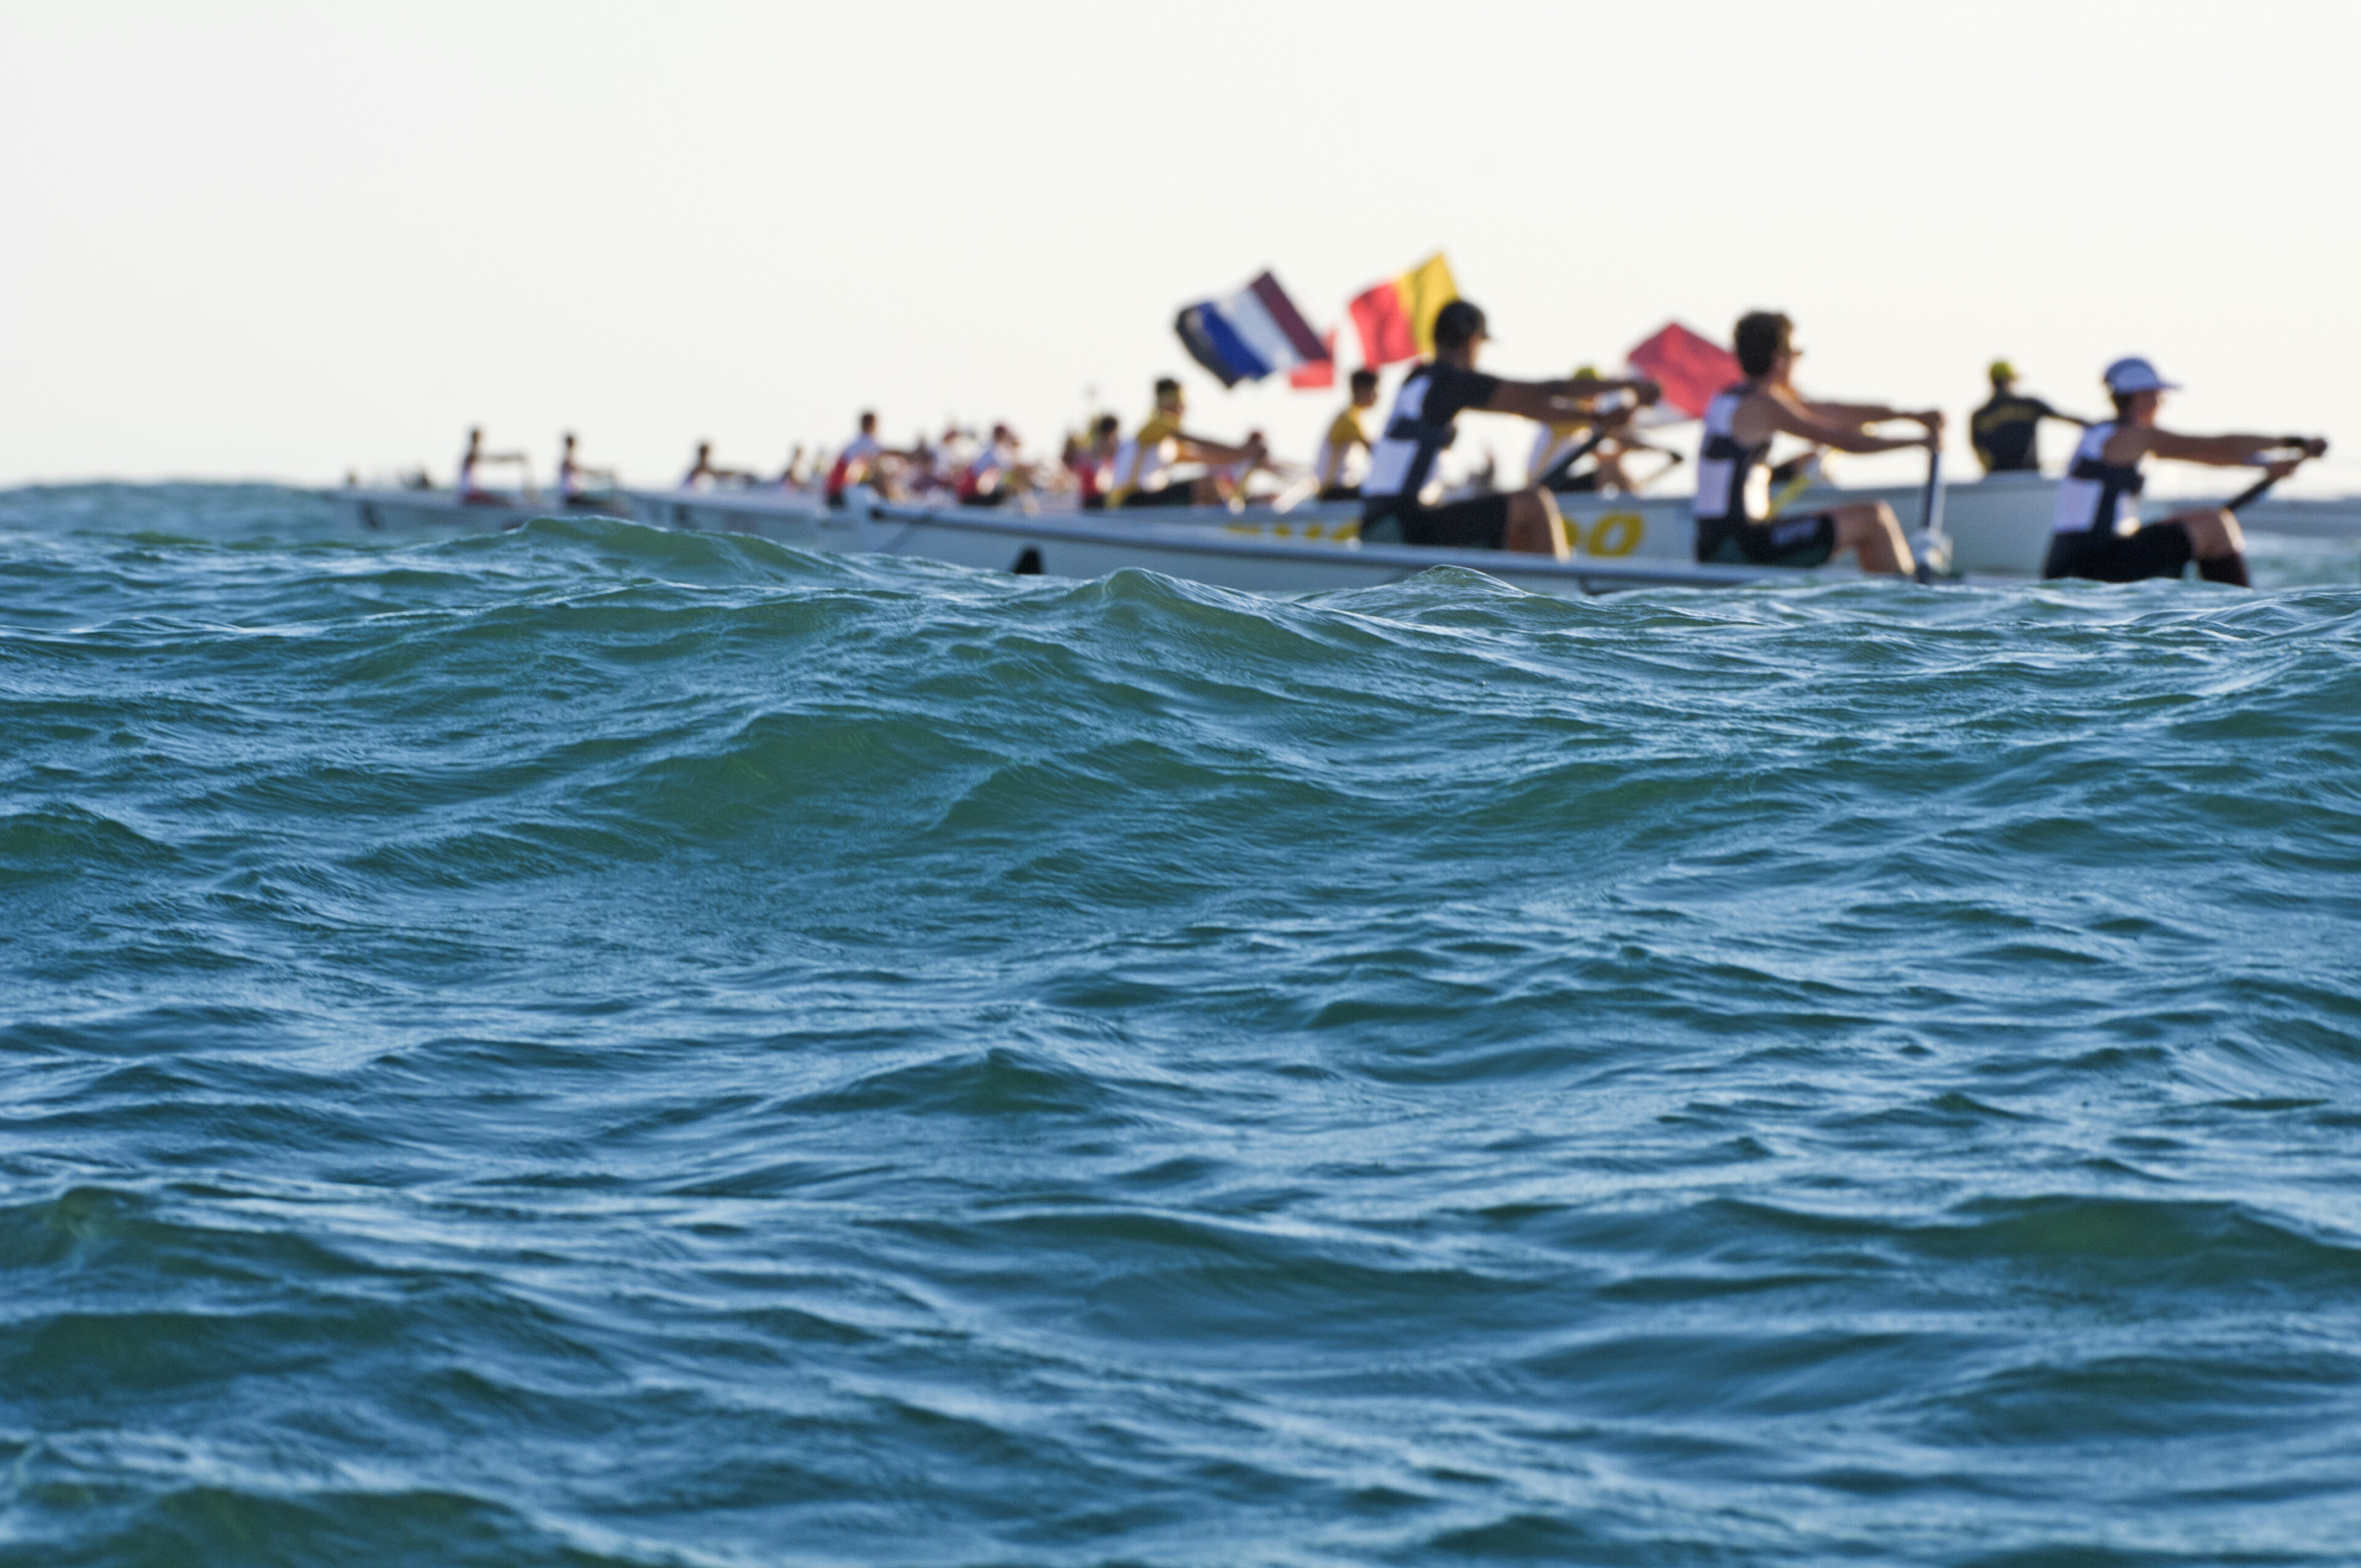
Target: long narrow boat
372 510
757 508
1999 527
1316 551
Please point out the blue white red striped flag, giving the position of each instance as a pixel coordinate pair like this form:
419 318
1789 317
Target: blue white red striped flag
1255 333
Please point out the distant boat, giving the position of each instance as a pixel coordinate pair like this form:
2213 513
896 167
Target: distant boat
408 511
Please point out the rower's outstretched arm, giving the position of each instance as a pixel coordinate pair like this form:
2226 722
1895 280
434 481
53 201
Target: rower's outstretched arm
1861 413
1197 449
1811 421
2048 413
2228 451
1548 400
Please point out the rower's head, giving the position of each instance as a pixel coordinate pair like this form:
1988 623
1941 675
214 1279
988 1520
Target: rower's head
1764 343
2004 374
475 436
1460 333
1168 395
1106 427
2137 390
1365 387
704 451
568 444
869 422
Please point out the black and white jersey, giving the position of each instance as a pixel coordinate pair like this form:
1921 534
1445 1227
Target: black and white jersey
2095 495
1733 482
1420 427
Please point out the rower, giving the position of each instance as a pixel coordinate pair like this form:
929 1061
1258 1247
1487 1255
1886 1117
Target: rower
854 464
1092 462
1733 524
1395 508
703 475
571 475
1344 433
475 457
996 471
2096 531
1143 464
2006 431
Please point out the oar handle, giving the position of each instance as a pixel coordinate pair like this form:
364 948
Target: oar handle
2310 447
1565 465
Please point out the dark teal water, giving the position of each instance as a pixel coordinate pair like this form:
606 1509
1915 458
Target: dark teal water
605 1047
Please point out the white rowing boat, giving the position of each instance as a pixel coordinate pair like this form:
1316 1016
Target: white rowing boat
369 510
1998 527
769 510
1320 550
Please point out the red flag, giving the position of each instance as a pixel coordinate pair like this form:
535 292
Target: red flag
1690 368
1316 374
1384 325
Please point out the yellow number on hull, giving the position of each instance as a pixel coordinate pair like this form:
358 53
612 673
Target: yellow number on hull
1616 533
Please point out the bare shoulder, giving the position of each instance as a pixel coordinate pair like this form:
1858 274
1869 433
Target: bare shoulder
1765 411
2128 443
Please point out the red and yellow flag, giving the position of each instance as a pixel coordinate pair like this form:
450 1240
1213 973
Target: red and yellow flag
1396 319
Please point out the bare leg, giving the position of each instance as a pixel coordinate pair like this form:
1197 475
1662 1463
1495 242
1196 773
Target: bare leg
2213 534
2219 545
1205 491
1534 527
1868 529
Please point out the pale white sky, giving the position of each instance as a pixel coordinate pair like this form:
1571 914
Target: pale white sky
282 240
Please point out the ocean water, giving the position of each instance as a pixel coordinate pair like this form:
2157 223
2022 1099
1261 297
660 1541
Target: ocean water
596 1046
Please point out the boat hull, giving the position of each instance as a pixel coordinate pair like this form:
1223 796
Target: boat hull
1092 545
442 511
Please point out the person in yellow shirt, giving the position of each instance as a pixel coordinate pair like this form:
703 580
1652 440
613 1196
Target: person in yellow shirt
1343 435
1143 465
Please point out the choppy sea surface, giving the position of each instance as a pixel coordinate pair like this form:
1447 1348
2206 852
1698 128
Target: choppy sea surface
598 1046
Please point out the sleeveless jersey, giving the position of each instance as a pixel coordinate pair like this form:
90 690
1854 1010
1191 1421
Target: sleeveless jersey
1732 484
2097 497
1403 459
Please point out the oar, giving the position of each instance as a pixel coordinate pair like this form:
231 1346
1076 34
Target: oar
2253 492
1565 465
1931 512
2310 447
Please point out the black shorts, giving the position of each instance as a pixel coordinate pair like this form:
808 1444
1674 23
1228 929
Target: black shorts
1339 493
1583 484
982 498
1807 540
1094 503
1170 496
2159 550
1481 522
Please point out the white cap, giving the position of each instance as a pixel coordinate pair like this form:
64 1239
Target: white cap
2137 375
